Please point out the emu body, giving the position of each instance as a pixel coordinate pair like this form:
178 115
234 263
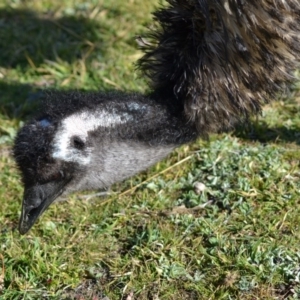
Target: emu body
210 64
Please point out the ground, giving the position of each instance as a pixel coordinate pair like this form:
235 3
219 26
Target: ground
218 219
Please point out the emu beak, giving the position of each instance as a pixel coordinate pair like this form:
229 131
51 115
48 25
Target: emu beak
36 200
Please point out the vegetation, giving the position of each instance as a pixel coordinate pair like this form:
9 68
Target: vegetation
219 219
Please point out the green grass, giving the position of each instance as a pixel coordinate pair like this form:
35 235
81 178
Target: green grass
156 236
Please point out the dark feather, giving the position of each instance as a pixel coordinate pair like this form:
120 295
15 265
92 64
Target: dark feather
222 59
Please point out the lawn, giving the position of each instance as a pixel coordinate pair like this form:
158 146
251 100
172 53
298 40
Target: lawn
218 219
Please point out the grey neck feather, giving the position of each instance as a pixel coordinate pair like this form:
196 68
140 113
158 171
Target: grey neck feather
119 161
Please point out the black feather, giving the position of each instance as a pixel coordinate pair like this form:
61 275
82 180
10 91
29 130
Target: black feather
222 59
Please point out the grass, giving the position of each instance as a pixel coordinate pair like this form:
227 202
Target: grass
235 235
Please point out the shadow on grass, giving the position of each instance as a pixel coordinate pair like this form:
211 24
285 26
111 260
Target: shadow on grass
27 38
263 133
19 101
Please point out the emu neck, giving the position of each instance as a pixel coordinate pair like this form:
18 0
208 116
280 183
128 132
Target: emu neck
120 160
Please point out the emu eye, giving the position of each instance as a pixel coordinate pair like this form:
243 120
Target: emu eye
58 175
77 143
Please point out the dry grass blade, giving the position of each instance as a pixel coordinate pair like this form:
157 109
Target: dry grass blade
131 190
2 274
71 32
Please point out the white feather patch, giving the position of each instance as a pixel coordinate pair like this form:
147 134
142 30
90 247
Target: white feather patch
80 125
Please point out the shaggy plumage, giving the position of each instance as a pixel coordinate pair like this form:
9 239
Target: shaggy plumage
222 59
210 64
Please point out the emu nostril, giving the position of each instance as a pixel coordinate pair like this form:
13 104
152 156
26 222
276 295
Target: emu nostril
33 197
31 211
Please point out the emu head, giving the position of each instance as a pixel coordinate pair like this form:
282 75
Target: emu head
57 156
50 155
